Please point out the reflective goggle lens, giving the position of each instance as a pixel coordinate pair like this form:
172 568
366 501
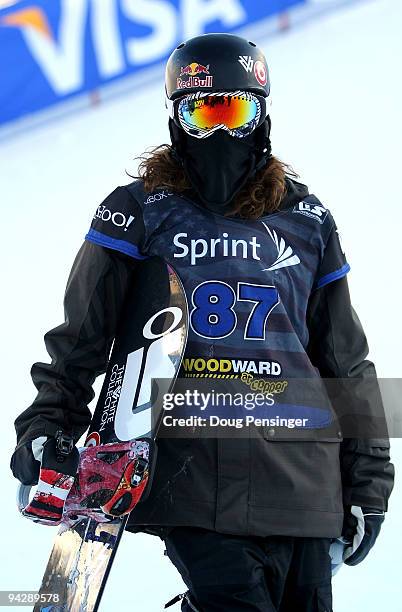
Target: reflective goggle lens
206 112
210 111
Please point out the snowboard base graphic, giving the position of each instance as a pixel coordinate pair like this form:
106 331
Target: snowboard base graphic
149 345
79 565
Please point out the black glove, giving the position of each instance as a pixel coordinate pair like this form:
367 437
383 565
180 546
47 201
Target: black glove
25 461
368 522
55 453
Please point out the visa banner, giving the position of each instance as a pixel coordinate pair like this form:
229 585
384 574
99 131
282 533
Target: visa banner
52 50
57 50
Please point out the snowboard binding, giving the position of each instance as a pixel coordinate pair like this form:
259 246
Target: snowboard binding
110 481
59 464
102 482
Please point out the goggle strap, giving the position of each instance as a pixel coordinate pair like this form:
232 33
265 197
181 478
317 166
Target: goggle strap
170 107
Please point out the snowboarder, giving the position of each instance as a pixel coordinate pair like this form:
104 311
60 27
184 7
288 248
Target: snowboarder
248 522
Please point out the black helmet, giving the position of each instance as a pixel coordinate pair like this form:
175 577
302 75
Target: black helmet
217 62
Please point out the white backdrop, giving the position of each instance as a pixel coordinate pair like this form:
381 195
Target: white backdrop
336 118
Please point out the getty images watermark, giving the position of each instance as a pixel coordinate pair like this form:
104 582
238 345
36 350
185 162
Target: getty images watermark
303 408
212 401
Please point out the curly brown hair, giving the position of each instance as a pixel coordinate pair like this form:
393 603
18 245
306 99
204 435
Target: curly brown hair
159 169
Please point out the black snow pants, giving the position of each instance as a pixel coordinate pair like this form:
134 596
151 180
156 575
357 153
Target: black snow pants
237 574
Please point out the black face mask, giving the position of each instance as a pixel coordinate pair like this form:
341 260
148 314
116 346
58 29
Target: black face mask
219 166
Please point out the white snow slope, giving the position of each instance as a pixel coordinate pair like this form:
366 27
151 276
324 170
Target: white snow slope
336 117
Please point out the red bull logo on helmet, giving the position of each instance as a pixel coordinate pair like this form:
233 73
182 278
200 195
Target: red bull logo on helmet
194 69
197 75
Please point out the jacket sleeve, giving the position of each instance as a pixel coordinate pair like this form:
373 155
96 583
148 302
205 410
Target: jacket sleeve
338 348
79 348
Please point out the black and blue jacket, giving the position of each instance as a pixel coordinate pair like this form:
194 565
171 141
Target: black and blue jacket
270 292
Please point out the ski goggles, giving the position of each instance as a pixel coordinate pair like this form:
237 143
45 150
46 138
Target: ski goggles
201 114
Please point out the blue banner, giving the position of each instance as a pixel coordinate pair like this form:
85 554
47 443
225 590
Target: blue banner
52 50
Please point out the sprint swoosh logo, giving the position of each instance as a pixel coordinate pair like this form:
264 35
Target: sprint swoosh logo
286 256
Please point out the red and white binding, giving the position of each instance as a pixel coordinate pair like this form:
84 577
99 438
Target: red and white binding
47 505
59 461
109 482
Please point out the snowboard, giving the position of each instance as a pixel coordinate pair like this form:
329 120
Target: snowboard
143 364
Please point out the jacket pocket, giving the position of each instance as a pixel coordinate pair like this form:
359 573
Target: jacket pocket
296 474
280 434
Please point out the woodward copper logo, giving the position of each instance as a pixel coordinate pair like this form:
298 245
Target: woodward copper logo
195 75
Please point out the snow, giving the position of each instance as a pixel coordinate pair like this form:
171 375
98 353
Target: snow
336 119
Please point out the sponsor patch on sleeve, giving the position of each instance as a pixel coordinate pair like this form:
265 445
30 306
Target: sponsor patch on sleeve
314 211
118 224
